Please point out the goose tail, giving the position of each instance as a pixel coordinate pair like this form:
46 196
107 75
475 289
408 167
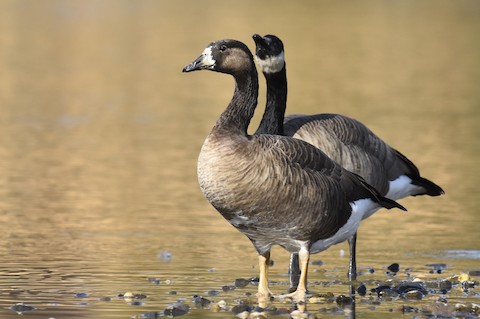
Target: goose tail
389 204
381 200
430 187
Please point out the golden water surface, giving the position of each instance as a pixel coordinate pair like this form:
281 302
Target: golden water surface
100 131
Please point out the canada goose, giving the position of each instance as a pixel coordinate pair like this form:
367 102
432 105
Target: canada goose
344 139
274 189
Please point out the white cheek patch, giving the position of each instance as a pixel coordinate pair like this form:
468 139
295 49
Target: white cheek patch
208 59
271 64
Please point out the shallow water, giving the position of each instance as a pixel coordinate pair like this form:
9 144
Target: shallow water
100 131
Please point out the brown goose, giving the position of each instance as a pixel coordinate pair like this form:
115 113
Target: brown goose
344 139
276 190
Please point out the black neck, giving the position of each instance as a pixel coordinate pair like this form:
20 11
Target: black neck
272 120
240 111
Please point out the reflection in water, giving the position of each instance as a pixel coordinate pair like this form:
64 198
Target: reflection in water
100 133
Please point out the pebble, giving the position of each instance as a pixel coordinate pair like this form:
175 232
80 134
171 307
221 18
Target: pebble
445 285
130 295
258 313
222 304
343 300
20 308
409 309
413 295
228 288
322 298
177 309
154 280
297 314
151 315
238 309
362 290
201 302
474 273
213 292
437 267
406 287
165 256
395 267
240 282
137 303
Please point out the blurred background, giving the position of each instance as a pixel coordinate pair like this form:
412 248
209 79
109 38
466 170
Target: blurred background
100 132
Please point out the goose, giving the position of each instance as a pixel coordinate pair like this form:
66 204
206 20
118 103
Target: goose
344 139
276 190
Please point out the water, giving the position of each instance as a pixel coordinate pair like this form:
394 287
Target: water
100 131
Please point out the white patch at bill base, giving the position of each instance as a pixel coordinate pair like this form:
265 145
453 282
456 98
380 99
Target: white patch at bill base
208 59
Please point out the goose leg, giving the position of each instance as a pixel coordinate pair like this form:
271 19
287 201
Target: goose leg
294 271
352 270
263 290
301 292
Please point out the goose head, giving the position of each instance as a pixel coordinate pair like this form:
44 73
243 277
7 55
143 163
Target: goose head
269 53
224 56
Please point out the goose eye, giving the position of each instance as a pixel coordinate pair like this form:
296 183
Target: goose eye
223 48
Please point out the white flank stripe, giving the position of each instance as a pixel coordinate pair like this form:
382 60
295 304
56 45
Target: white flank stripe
361 209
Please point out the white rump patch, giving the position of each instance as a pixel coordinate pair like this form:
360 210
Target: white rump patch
271 64
361 209
401 187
